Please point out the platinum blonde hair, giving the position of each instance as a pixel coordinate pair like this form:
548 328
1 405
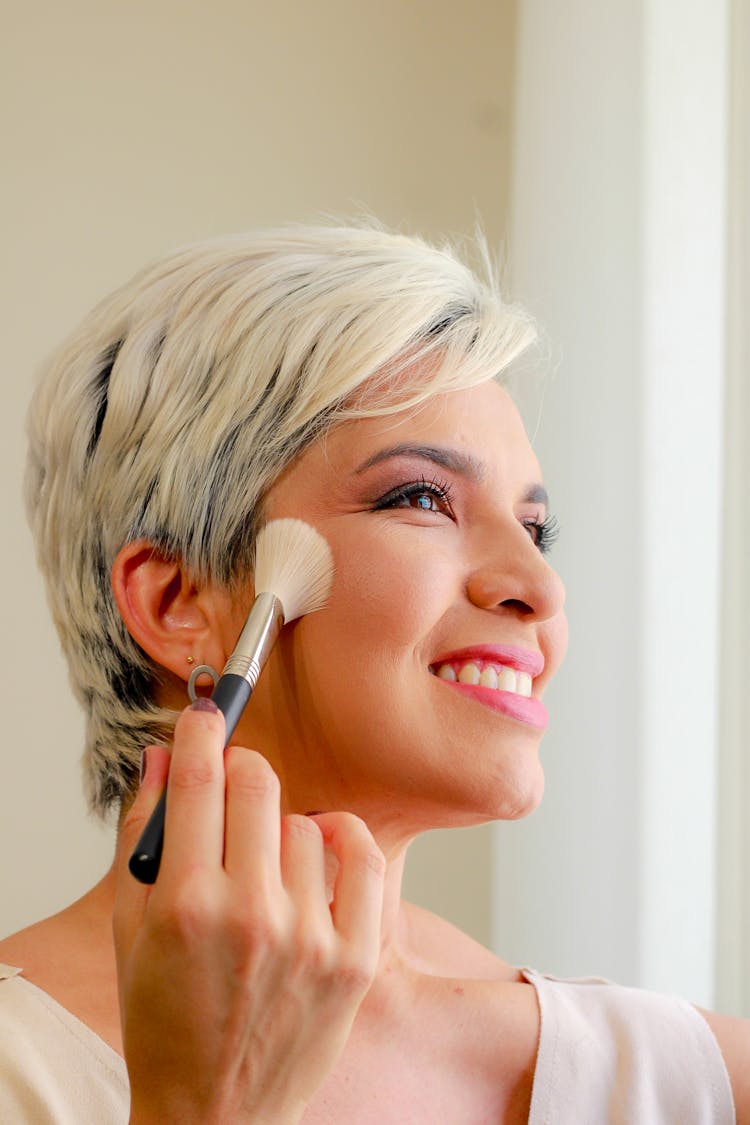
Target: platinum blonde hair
176 404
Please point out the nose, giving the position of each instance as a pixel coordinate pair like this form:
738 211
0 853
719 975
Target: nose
521 582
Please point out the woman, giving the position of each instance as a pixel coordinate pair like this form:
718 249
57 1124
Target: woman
353 379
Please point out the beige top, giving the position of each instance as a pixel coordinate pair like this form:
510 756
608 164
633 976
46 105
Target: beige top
607 1056
624 1056
53 1069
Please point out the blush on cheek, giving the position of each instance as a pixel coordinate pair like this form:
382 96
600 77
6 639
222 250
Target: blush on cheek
388 596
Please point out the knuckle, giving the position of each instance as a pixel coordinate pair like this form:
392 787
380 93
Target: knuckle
374 859
302 828
257 945
265 932
351 823
313 955
194 776
188 916
357 844
262 930
250 773
362 849
352 977
356 831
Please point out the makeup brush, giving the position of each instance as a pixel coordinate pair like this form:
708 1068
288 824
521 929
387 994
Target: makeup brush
293 571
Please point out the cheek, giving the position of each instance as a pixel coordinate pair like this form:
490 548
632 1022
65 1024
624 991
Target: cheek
386 600
557 640
553 640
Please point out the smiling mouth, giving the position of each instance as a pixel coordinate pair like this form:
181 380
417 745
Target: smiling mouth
486 674
502 689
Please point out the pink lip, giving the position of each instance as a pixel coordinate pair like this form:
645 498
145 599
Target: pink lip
531 711
522 659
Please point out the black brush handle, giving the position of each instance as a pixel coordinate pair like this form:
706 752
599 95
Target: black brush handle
230 696
146 857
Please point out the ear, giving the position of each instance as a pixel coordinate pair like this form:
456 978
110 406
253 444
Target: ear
168 615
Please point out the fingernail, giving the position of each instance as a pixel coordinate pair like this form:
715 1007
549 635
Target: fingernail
203 703
144 766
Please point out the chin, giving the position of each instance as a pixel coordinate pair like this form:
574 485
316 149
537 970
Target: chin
500 796
518 796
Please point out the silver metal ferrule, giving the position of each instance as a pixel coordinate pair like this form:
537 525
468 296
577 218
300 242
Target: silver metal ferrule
264 623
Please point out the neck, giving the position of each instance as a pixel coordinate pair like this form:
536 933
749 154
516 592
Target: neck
394 935
395 944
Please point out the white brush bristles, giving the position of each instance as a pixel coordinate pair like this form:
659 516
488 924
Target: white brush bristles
294 562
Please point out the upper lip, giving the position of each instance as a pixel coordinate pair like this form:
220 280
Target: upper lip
510 656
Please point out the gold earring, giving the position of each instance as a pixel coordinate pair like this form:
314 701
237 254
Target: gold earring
190 660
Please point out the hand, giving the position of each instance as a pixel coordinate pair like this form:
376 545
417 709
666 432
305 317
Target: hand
239 983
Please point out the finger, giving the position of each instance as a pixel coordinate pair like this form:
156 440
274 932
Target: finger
303 871
252 836
357 906
130 895
194 818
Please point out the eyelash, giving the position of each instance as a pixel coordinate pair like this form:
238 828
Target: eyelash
545 532
439 490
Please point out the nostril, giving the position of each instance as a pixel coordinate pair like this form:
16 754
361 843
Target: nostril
515 603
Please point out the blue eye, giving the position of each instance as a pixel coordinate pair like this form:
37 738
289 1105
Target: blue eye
428 496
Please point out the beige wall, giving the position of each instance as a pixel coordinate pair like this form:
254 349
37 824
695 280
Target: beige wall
133 128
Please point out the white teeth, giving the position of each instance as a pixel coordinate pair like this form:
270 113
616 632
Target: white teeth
507 680
469 674
488 677
494 676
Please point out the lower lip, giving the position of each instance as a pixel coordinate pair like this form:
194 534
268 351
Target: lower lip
529 711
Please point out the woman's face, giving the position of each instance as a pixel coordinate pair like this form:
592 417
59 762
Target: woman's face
433 517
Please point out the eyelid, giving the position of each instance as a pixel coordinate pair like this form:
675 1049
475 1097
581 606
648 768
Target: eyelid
440 489
545 524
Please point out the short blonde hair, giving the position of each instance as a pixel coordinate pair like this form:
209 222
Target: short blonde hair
173 408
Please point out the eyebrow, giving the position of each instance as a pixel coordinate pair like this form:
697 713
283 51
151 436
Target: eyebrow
537 494
461 463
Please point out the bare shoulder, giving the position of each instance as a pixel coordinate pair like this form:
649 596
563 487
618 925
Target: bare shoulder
70 956
83 929
733 1036
51 954
479 1014
33 946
